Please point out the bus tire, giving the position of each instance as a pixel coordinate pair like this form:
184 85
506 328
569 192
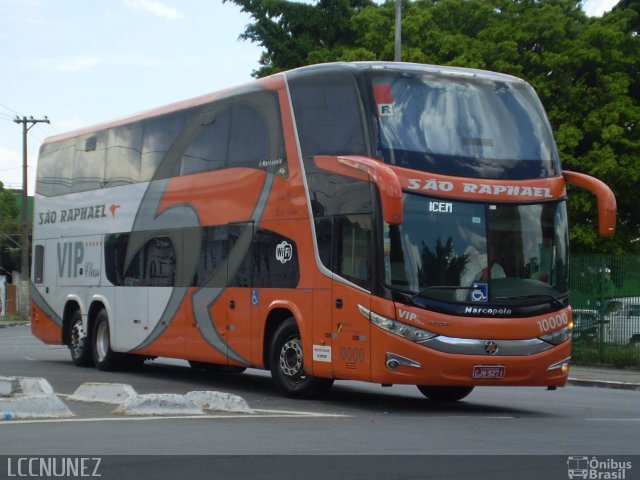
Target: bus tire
104 358
444 394
79 343
287 368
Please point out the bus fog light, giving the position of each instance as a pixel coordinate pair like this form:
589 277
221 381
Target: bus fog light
563 366
393 364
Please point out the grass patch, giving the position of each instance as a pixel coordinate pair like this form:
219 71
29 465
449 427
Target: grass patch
588 352
11 318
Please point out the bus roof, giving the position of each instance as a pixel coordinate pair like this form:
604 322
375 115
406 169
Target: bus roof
301 71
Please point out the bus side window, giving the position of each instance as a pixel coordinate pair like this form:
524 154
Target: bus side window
89 162
211 270
154 265
115 249
208 150
160 263
329 115
55 168
248 138
124 151
324 236
159 135
38 265
353 248
274 261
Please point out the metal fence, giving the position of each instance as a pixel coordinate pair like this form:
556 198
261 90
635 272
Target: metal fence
605 296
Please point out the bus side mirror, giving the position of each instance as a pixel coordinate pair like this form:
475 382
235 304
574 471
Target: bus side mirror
607 207
369 170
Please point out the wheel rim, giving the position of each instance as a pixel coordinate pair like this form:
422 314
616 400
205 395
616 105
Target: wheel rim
102 341
291 359
77 338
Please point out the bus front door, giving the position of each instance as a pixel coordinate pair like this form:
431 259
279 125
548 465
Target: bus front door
351 356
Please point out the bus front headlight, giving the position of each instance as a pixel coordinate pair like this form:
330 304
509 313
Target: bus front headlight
403 330
557 337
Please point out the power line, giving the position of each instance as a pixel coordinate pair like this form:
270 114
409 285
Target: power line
10 109
6 116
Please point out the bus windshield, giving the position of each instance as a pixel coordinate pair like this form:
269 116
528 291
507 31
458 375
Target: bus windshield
478 253
462 125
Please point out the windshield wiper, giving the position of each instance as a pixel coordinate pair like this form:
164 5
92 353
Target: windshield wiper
554 300
439 287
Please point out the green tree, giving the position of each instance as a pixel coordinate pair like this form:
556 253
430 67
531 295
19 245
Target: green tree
585 70
290 31
9 232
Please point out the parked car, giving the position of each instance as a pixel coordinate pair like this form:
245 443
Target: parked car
585 323
622 322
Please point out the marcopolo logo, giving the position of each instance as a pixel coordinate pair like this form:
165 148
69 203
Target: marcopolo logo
594 468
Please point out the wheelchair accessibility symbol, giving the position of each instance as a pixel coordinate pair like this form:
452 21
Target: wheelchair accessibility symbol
480 292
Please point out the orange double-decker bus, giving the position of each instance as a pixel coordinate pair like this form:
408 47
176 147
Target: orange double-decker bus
385 222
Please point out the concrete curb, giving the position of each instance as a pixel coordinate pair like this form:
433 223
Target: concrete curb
115 393
158 404
578 382
30 397
193 403
219 401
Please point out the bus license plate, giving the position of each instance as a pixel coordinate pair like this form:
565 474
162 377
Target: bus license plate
489 371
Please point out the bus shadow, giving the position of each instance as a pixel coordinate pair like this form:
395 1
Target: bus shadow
399 403
344 397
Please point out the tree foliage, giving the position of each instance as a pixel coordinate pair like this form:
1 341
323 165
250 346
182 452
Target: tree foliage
585 70
9 232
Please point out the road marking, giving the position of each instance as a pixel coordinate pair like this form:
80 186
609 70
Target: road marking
490 417
263 414
301 413
613 419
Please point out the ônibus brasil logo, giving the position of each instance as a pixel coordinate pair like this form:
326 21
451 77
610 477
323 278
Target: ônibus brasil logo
593 468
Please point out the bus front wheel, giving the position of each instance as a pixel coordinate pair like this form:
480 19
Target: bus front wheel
104 358
287 367
444 394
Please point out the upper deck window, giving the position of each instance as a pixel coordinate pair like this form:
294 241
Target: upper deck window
329 115
462 125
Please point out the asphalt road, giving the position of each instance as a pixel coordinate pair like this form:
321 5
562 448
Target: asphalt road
353 419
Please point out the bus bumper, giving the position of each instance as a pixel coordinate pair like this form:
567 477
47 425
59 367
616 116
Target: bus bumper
399 361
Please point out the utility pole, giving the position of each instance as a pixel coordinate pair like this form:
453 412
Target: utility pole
27 123
398 44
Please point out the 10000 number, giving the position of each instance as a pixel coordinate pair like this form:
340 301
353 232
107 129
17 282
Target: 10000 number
551 323
351 354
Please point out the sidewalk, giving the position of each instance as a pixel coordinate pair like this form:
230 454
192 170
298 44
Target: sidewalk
579 375
604 377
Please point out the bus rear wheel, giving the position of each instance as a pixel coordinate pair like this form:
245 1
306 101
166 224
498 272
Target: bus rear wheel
104 358
287 366
79 342
444 394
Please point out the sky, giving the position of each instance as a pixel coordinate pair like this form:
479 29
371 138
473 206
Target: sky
82 62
